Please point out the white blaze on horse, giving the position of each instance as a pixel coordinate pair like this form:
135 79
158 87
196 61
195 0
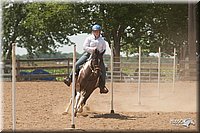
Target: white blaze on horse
86 81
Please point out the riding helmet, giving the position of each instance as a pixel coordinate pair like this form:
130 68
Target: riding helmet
96 27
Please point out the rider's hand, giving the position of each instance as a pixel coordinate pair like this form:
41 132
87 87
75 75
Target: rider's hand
93 48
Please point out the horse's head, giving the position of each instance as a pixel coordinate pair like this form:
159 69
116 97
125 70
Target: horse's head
95 61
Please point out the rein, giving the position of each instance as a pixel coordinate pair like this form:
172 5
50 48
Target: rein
95 68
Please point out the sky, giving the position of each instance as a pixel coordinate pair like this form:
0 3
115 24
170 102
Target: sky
77 39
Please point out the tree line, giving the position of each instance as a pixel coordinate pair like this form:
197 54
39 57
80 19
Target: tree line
44 27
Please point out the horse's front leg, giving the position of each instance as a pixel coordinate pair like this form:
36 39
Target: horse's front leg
80 105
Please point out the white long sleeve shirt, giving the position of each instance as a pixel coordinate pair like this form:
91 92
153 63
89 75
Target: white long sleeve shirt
90 43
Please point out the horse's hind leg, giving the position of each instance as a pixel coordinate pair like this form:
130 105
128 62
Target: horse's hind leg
70 103
67 109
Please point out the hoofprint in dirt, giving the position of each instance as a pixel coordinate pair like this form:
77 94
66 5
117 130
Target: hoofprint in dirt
39 106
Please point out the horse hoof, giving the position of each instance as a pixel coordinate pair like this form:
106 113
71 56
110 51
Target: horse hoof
64 113
80 110
75 114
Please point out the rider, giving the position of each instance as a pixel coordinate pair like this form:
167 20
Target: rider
94 41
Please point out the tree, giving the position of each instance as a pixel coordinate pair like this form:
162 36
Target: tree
159 27
130 25
113 22
173 26
38 27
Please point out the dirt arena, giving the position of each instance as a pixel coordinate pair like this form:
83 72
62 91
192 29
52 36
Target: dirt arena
39 107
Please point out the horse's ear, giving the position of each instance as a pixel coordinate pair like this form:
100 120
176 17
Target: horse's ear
96 51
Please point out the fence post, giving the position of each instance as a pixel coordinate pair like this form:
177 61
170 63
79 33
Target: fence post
18 70
174 69
150 69
68 66
159 57
139 76
13 87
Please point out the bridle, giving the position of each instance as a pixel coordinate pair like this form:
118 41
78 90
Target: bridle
96 66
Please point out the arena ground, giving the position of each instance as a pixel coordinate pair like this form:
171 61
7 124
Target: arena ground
39 107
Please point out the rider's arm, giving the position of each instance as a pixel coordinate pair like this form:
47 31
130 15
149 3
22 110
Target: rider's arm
104 46
86 45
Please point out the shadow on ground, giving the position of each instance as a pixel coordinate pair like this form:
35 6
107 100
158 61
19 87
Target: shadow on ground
115 116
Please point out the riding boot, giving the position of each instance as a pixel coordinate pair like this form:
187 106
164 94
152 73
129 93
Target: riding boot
102 86
68 80
103 90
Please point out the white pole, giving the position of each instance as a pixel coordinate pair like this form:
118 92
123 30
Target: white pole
1 65
159 56
73 86
111 82
13 87
174 69
139 76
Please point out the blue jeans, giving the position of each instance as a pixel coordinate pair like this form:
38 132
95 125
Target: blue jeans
82 60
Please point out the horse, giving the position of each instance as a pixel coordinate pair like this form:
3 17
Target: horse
86 81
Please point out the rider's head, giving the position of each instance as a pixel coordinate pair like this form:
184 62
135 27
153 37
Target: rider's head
96 30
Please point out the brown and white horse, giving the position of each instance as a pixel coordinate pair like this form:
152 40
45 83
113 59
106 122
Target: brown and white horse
86 81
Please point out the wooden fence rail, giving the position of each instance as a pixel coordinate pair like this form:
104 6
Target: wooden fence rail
53 65
60 67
